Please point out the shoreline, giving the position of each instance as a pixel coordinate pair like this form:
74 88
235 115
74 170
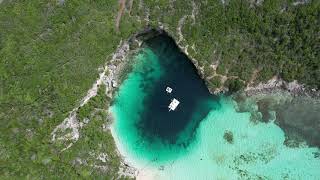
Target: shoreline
272 87
274 84
137 169
144 172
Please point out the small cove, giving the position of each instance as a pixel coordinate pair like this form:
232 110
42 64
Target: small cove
188 143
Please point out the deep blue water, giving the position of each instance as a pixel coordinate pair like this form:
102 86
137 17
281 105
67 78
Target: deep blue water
181 75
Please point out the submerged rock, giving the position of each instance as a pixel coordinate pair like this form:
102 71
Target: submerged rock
228 136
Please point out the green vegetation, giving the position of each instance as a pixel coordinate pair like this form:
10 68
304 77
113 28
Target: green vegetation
96 104
41 158
214 82
50 52
234 85
94 141
49 57
278 37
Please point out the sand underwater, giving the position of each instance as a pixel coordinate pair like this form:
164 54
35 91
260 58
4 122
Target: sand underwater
204 138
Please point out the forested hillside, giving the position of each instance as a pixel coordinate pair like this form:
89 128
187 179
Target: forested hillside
51 51
270 37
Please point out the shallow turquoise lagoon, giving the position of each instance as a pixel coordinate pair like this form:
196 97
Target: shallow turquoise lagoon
189 143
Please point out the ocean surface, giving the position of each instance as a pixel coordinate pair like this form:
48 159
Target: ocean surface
204 137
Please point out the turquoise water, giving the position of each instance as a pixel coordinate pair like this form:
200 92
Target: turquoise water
189 143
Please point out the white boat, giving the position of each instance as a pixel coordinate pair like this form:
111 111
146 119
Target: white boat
169 89
174 104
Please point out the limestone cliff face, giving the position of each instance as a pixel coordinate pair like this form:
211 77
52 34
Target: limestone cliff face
204 31
251 87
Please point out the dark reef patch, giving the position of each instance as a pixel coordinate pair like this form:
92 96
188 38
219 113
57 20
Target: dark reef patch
300 120
297 116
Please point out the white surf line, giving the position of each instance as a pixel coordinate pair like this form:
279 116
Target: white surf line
110 80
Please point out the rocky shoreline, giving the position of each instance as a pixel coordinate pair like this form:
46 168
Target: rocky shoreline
274 84
265 96
269 90
115 71
277 84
